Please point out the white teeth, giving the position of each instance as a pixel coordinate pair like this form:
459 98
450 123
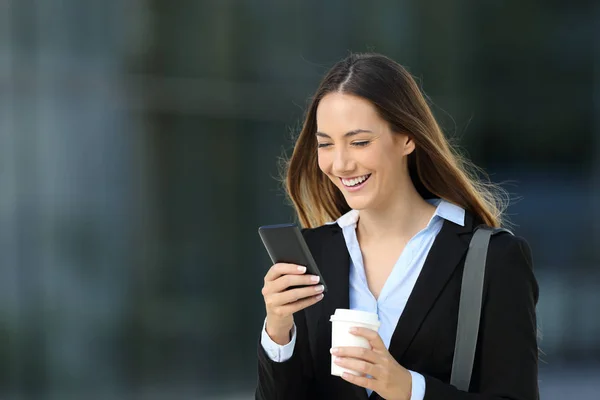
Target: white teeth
354 181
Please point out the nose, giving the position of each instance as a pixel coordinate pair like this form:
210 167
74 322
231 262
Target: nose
342 163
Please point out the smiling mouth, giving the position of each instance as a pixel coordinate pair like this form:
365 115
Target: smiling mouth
354 182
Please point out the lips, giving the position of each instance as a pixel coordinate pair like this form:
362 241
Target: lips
356 181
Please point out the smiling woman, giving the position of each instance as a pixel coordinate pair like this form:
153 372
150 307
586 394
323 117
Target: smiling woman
389 209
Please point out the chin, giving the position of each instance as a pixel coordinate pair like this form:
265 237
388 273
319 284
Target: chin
357 203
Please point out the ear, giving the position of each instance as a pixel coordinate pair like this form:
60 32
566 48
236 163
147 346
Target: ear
409 145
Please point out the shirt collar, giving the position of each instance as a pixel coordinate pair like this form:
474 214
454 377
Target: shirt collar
444 209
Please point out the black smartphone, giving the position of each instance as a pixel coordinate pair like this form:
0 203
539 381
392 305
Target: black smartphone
285 244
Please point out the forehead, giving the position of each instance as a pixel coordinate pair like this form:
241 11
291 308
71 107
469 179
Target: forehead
338 113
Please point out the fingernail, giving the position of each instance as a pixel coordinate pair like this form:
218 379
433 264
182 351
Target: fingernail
302 269
353 330
334 350
314 278
319 288
319 297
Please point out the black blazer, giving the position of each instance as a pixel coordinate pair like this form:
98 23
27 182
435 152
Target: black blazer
423 341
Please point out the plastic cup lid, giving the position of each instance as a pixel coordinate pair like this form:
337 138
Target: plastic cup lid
364 317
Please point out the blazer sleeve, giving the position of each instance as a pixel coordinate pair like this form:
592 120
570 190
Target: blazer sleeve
506 359
292 379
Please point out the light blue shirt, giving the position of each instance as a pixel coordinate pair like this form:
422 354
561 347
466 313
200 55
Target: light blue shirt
396 290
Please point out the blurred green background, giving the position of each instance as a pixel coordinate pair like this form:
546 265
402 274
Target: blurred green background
139 144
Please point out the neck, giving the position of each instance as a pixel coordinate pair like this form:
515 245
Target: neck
406 215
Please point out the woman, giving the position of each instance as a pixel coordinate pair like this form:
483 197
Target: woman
372 158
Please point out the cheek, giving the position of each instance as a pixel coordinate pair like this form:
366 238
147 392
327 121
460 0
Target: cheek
373 159
324 163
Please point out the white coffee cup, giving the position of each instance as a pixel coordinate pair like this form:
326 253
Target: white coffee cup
342 321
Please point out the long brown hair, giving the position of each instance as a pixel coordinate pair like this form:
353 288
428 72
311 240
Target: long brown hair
436 169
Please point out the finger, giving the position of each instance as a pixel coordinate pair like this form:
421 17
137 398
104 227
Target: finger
283 282
301 304
367 383
357 365
280 269
371 335
292 295
357 352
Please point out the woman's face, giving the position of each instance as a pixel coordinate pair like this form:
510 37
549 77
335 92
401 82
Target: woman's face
358 151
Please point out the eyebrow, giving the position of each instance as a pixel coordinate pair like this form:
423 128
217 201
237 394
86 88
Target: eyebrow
347 134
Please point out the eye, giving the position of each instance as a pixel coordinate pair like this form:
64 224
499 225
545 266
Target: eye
361 144
322 145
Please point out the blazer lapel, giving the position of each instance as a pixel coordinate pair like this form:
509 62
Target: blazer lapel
336 273
334 263
333 260
445 254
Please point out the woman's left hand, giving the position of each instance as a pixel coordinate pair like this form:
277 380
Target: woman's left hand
389 379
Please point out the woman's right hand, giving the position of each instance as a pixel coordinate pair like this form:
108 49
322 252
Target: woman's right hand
281 303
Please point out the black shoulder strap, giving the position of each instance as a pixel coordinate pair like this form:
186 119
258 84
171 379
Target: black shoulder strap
469 311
